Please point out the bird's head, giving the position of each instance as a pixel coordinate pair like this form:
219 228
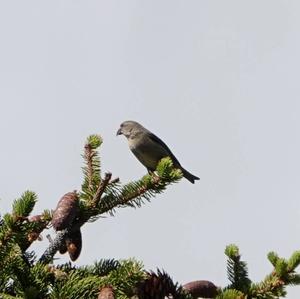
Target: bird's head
130 128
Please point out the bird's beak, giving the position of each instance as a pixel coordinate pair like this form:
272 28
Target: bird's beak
119 132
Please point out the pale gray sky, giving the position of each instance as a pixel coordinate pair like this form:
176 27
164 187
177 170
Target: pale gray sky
218 81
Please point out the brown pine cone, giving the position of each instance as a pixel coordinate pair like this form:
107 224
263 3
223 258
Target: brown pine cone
201 288
74 244
106 293
66 211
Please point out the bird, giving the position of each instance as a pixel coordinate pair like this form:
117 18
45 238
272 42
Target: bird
148 148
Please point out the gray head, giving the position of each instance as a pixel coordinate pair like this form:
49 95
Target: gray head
130 129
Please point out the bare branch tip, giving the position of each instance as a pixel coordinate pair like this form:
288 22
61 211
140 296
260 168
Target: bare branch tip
115 180
108 175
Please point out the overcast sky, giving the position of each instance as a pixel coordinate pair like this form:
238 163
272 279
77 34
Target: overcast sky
218 81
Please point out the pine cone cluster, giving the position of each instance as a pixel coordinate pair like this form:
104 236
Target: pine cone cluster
63 216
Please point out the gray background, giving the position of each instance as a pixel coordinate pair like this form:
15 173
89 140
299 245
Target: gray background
218 81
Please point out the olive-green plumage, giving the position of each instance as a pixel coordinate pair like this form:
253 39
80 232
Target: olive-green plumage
148 148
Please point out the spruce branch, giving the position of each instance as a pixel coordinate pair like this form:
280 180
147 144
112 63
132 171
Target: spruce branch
274 284
294 261
22 277
7 230
273 258
36 225
20 228
73 282
237 269
160 285
88 156
135 193
91 170
100 268
102 195
104 266
12 227
231 294
54 246
272 287
23 206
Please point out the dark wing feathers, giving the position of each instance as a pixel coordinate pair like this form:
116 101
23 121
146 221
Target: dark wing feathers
155 139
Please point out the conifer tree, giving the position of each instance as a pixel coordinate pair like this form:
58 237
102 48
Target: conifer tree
25 275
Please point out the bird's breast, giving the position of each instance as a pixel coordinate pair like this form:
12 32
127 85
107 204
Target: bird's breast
146 152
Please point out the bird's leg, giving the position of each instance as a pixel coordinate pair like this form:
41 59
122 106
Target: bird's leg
150 171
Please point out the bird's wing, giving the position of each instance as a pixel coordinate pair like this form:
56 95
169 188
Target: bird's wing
155 139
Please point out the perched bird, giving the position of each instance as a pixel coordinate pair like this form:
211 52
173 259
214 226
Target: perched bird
148 148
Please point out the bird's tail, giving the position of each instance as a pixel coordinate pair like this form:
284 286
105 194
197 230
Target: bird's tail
190 177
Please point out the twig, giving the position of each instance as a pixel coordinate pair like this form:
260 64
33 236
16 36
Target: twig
101 189
14 231
125 199
54 246
115 180
49 238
